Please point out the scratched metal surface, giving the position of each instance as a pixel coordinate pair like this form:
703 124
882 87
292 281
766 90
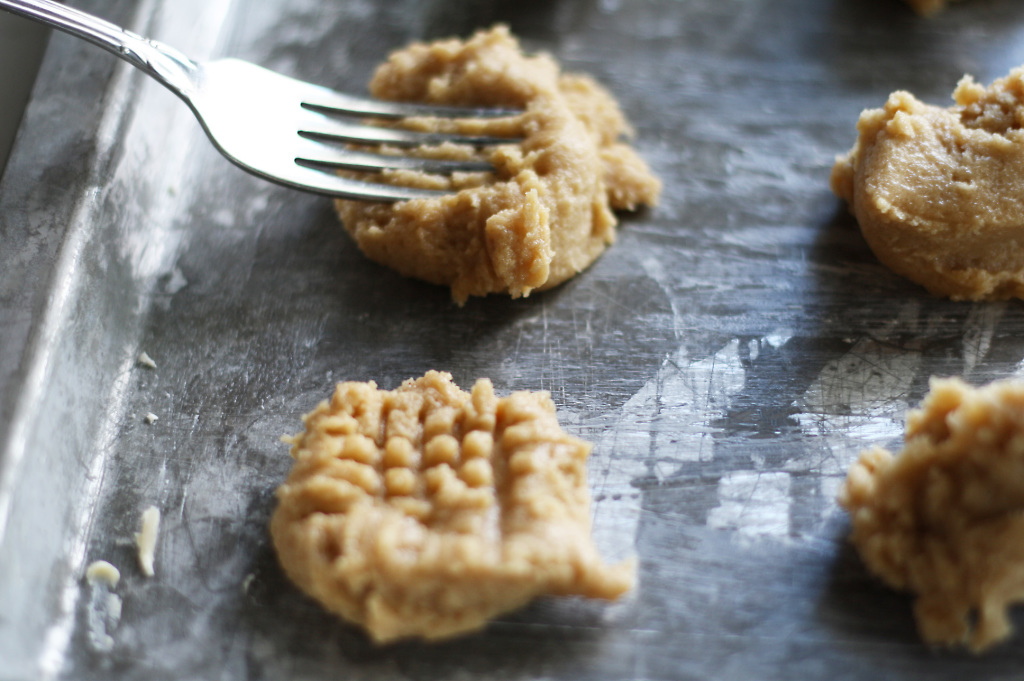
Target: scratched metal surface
728 357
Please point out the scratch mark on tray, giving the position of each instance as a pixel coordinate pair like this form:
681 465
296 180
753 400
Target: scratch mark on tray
666 423
58 636
979 328
857 400
754 505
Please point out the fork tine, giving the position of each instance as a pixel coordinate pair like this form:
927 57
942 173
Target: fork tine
327 101
317 154
326 127
331 184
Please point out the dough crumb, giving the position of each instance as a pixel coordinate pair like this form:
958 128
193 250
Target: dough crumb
102 571
151 418
146 361
945 518
104 607
427 510
545 213
935 189
146 539
247 582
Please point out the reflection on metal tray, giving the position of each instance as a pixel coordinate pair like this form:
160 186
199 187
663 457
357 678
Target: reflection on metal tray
729 356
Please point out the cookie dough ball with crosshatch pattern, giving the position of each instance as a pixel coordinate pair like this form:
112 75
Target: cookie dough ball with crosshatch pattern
425 511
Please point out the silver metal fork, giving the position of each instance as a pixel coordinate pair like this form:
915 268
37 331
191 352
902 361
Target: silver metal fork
278 128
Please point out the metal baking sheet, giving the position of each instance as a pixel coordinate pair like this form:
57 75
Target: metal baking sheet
729 356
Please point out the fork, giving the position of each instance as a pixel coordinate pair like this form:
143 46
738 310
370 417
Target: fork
278 128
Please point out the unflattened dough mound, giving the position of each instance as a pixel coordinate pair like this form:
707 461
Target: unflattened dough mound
937 190
545 213
945 518
425 511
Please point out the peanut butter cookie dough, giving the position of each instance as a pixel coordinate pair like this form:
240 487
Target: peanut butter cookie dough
937 190
945 518
425 511
546 211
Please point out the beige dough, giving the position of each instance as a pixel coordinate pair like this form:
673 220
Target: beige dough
945 518
546 211
425 511
937 191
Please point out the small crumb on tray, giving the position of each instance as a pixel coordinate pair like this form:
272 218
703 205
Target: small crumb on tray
101 571
103 611
146 539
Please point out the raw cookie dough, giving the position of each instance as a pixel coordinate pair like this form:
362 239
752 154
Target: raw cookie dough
937 191
545 213
945 518
425 511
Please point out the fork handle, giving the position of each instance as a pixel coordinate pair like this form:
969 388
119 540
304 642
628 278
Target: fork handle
167 65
